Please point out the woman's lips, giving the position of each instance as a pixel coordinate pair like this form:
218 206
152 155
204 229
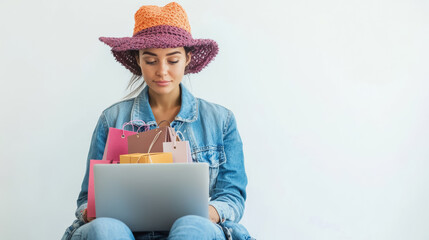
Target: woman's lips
162 83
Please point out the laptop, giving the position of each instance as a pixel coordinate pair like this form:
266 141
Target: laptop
150 197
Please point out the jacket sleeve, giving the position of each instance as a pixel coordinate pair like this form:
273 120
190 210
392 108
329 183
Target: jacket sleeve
229 192
96 151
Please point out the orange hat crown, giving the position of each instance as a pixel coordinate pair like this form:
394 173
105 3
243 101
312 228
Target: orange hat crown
171 14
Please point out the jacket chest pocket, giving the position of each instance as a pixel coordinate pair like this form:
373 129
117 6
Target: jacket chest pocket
214 156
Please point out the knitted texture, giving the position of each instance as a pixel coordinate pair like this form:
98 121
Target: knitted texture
171 14
162 27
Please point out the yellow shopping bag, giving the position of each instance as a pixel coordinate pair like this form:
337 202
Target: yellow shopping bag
160 157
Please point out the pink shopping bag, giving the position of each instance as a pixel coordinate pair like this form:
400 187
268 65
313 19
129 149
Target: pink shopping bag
90 209
117 142
180 149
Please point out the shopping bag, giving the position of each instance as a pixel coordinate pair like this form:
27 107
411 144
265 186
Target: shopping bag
181 150
162 157
90 209
117 142
150 141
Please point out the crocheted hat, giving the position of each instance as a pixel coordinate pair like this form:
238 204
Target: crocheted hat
162 27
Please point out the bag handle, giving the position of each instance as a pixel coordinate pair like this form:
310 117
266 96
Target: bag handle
176 135
180 138
146 127
132 124
169 123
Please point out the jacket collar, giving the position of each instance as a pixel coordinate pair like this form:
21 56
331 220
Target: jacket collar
142 111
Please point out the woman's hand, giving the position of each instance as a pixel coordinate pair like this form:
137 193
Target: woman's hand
85 217
213 215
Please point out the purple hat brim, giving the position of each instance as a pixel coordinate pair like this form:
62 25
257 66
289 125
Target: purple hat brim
203 51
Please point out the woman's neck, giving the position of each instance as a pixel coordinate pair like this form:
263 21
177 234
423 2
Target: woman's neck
165 102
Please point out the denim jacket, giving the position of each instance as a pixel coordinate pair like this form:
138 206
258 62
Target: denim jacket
213 136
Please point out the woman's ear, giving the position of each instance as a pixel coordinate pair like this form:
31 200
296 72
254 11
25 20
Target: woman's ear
188 58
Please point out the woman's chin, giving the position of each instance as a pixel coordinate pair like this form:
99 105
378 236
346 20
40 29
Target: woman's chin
163 90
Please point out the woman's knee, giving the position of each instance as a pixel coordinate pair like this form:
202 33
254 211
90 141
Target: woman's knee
100 223
195 226
192 220
107 228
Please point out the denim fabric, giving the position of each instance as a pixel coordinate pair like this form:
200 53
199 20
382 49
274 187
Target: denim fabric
195 228
187 227
213 136
103 229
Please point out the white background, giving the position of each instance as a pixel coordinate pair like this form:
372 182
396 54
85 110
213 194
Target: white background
331 99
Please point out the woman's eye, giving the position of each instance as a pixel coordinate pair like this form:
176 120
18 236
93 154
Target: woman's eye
173 62
150 63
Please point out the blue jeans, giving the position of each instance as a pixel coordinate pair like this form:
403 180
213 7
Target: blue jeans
187 227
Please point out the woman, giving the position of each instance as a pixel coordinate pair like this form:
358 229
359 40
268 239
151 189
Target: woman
162 51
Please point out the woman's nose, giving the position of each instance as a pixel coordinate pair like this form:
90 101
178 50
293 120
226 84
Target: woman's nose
162 69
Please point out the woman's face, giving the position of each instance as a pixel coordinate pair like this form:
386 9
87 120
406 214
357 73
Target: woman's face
163 68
